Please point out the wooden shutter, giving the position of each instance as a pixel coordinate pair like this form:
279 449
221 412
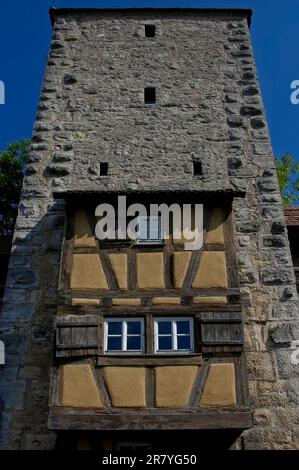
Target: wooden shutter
77 335
221 331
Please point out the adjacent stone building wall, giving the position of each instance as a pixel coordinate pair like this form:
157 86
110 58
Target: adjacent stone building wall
90 111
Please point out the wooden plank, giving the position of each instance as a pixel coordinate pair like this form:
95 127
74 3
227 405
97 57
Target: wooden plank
150 387
55 389
113 421
149 360
192 268
108 271
99 293
102 387
149 334
67 249
199 382
230 250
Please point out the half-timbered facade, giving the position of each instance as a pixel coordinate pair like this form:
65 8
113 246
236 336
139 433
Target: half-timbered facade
145 342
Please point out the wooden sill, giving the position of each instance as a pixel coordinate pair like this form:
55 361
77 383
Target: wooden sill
61 418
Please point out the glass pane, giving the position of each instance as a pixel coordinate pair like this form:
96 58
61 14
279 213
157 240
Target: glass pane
114 328
154 228
165 343
114 344
183 326
134 327
164 327
184 342
142 228
134 343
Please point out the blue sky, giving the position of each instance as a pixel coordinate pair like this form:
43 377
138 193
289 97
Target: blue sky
25 34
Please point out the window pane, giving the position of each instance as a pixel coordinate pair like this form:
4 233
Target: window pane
114 344
134 327
164 327
142 228
183 327
165 343
114 328
134 343
184 342
154 228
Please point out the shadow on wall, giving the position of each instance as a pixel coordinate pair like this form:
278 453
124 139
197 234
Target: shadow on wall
26 328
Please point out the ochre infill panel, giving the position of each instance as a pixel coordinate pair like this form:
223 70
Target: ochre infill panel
220 387
87 272
210 300
150 270
126 386
174 385
83 232
211 272
78 387
215 230
119 263
181 261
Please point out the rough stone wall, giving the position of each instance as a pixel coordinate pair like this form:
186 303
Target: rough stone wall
91 110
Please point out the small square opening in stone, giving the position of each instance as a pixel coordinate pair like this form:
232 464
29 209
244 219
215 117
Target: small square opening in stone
103 168
197 168
150 95
149 30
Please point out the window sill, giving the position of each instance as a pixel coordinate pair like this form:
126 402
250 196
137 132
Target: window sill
149 359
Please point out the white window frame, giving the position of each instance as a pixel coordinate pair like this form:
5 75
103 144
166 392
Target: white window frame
148 240
124 335
174 335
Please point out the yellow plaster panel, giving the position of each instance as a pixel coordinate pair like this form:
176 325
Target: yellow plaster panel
210 300
220 387
126 386
83 233
166 300
87 272
126 301
78 387
86 302
150 271
119 263
180 267
174 385
211 272
215 230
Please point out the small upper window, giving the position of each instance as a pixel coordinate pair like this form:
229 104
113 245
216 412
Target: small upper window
124 335
149 30
149 230
150 95
173 335
197 168
103 168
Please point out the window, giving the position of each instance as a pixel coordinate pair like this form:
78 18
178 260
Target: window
127 335
149 230
173 334
197 168
150 95
124 335
149 30
104 169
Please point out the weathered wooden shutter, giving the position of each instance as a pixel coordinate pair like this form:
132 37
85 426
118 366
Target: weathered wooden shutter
77 335
221 331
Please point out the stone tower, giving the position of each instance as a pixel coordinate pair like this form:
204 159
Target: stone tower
104 337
